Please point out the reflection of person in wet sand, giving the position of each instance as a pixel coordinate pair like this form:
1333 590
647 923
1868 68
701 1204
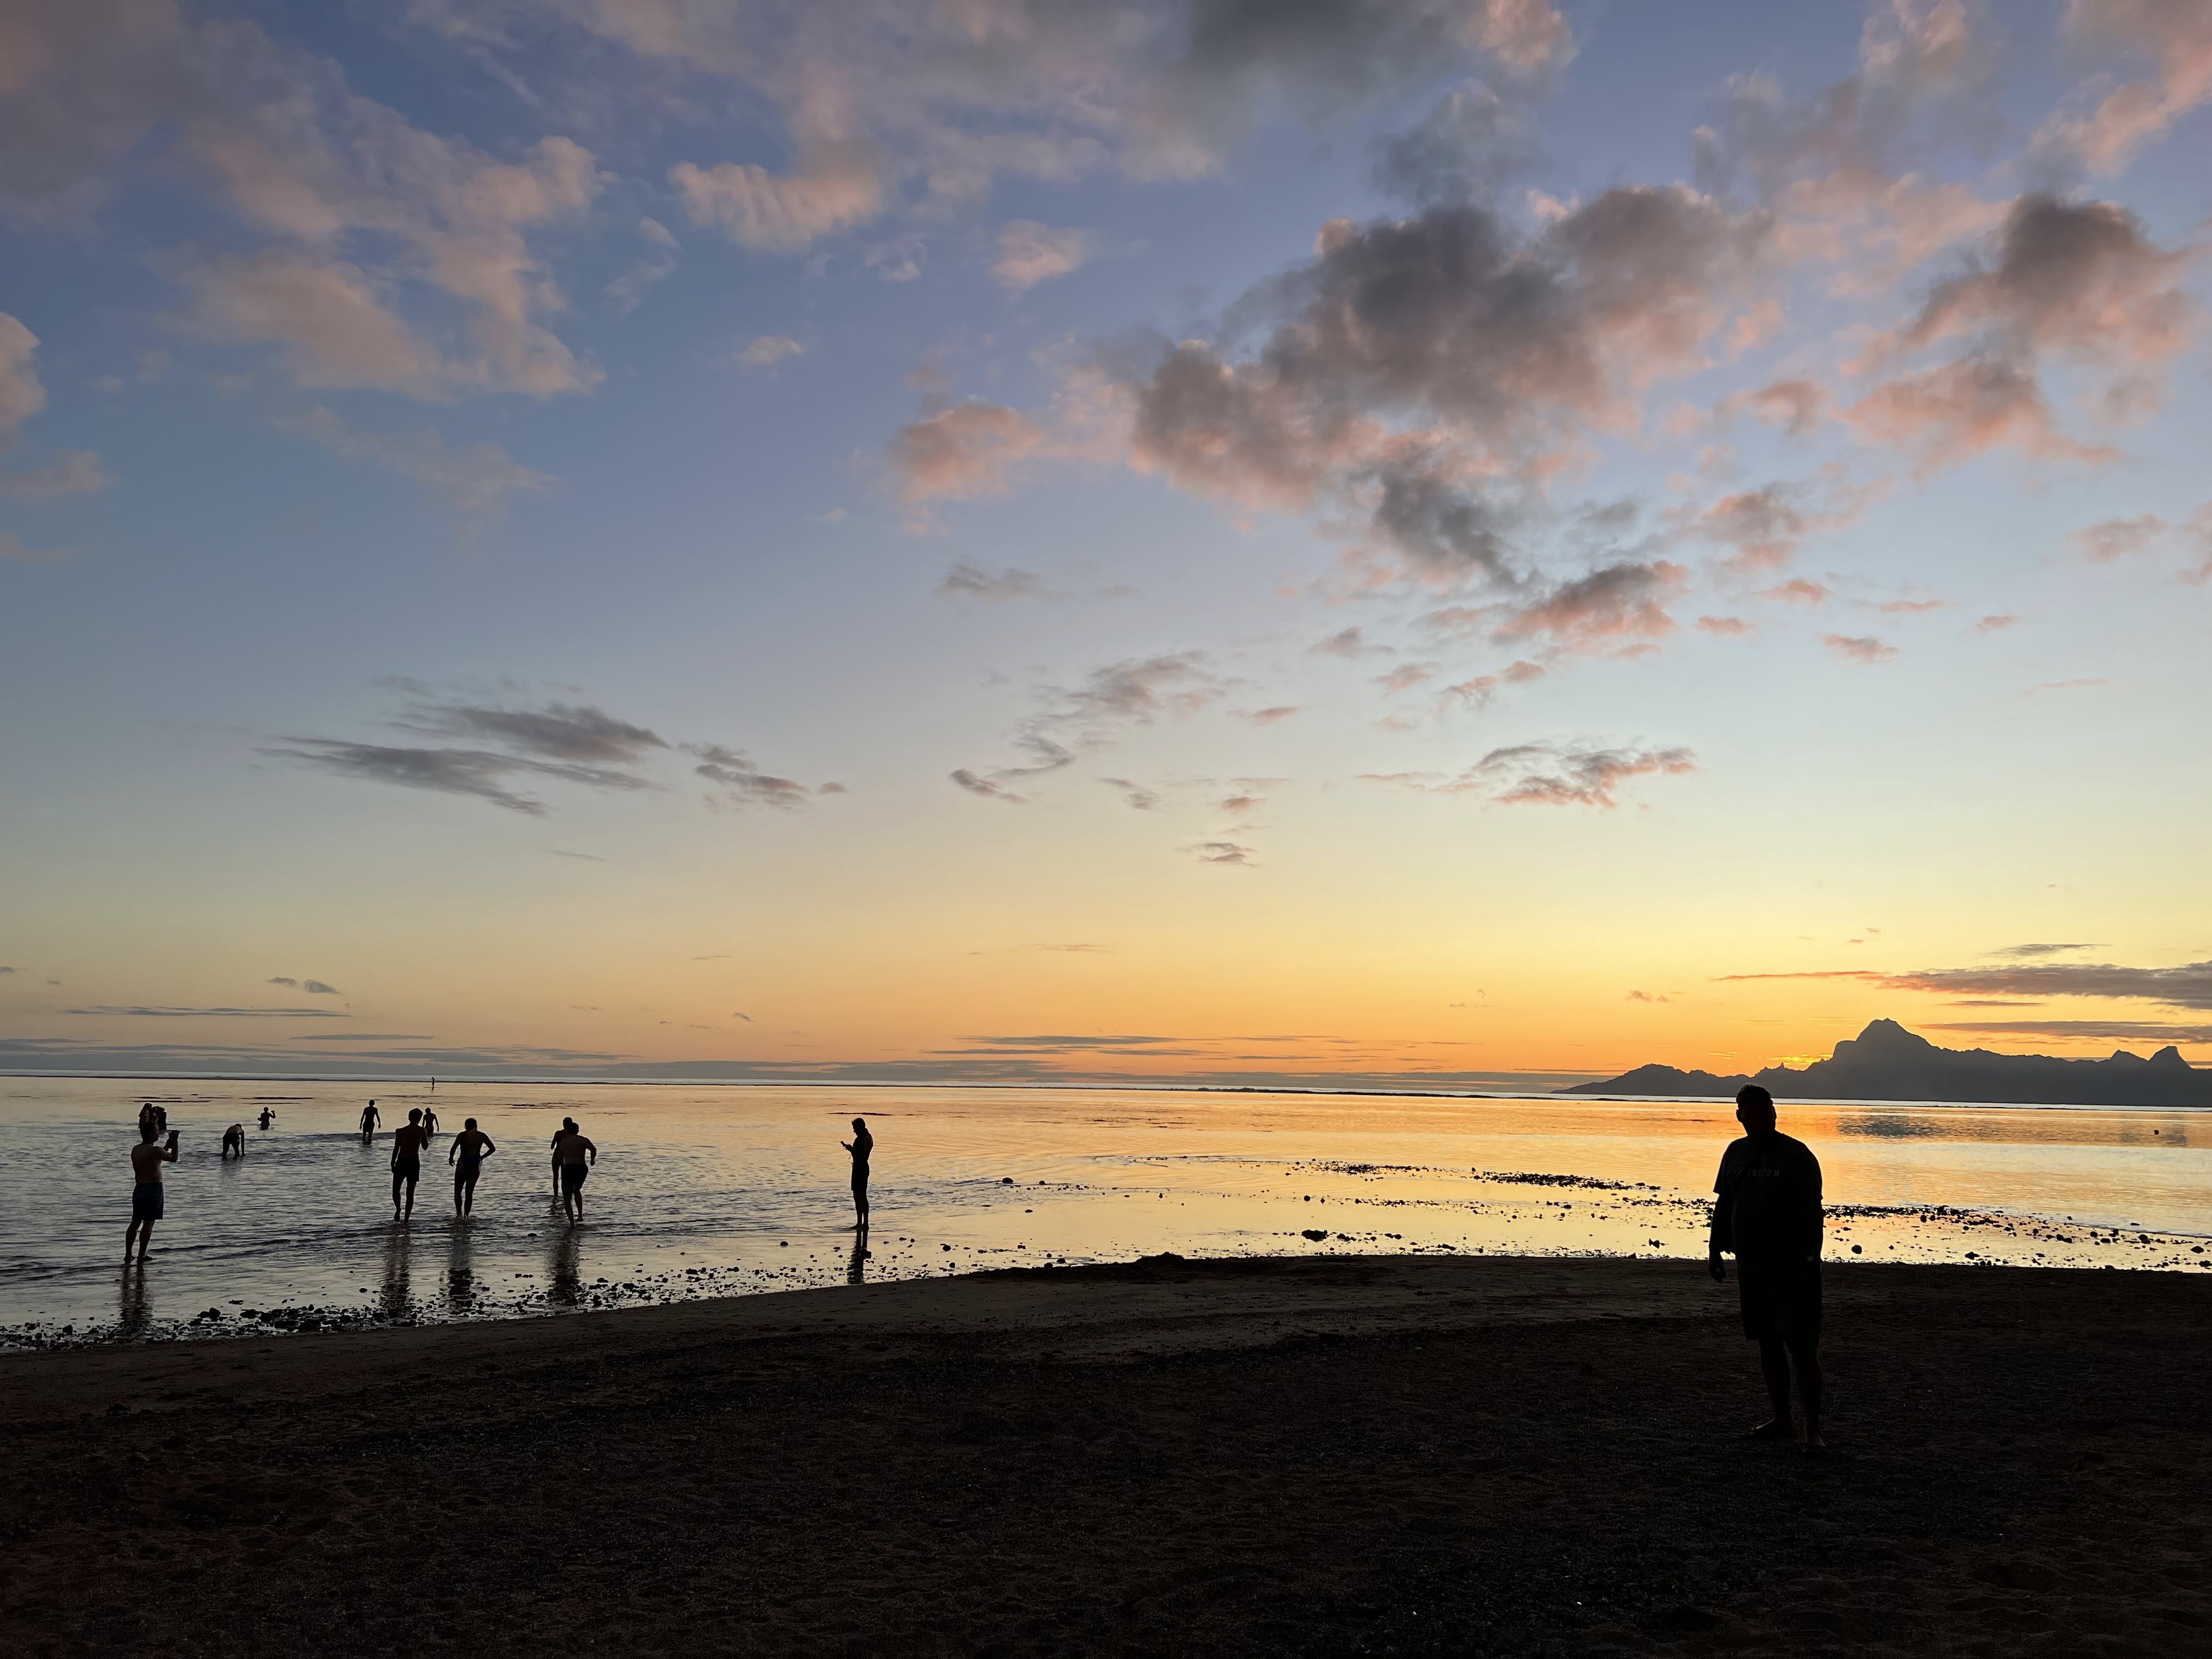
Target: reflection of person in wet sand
234 1141
370 1117
569 1152
860 1145
408 1141
147 1158
467 1153
1767 1211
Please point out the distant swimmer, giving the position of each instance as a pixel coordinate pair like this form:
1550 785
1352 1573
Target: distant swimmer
860 1145
234 1141
370 1117
429 1120
408 1141
1766 1210
147 1158
569 1152
268 1117
467 1153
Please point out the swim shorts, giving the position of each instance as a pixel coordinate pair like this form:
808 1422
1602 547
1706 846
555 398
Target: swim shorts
146 1202
1781 1299
409 1170
471 1167
572 1176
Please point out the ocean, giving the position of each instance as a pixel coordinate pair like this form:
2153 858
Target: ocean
704 1190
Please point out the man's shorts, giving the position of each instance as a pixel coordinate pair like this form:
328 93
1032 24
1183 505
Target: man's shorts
409 1170
1781 1299
572 1176
146 1202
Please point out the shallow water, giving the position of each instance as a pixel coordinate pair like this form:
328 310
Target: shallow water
703 1190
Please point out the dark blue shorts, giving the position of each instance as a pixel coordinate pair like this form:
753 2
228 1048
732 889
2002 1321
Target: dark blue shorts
146 1202
572 1176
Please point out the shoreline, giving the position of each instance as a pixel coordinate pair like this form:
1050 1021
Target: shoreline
1476 1454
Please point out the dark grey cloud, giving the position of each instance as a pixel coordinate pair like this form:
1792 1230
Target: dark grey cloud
312 987
1462 150
1135 795
476 772
363 1036
283 979
2188 986
742 783
145 1011
980 786
1066 1044
2093 1031
1070 720
968 582
2030 953
557 732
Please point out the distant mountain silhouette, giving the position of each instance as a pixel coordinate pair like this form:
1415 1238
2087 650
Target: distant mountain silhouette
1887 1062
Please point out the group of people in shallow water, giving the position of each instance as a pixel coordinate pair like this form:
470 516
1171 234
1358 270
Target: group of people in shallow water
1767 1213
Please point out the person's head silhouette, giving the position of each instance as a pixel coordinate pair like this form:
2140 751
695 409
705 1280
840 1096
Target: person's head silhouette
860 1124
148 1128
468 1123
569 1124
1754 1110
414 1114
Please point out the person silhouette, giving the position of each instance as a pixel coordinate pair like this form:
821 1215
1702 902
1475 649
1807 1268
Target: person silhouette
147 1158
1766 1212
370 1117
569 1152
268 1117
860 1145
467 1153
408 1141
234 1141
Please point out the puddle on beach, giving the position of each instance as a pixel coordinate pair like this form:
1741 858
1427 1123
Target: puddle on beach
710 1192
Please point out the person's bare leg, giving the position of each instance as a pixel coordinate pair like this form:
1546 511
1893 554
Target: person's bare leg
145 1238
1808 1390
130 1237
1774 1366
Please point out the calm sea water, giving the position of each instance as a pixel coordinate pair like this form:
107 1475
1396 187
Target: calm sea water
715 1190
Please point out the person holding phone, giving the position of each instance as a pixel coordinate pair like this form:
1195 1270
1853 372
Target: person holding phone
147 1158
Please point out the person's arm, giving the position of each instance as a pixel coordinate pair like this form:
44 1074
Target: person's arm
169 1153
1816 1222
489 1149
454 1151
591 1147
1720 1238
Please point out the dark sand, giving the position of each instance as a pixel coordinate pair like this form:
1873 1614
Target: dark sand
1335 1455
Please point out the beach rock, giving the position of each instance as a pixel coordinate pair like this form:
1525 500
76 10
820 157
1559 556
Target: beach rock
1316 1234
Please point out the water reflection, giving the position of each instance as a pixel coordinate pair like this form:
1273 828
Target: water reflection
460 1269
567 1278
399 1248
856 1271
136 1309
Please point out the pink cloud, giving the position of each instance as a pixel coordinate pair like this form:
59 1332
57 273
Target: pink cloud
1863 649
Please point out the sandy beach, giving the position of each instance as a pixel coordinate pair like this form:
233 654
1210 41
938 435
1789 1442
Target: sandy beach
1374 1455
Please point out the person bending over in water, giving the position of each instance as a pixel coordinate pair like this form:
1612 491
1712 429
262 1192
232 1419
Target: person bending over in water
370 1117
234 1141
568 1154
408 1141
467 1153
1767 1209
147 1158
860 1145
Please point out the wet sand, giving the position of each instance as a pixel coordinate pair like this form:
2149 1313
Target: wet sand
1333 1455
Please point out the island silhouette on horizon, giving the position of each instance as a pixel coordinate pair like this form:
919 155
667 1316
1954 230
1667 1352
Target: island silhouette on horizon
1887 1062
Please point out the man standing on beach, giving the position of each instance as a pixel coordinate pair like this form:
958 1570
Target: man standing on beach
467 1153
1766 1210
408 1141
860 1145
569 1152
146 1161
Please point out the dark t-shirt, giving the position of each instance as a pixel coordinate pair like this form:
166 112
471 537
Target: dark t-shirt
1767 1203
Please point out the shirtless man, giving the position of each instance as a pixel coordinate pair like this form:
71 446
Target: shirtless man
234 1141
861 1145
408 1141
268 1117
370 1117
467 1153
429 1120
569 1152
147 1158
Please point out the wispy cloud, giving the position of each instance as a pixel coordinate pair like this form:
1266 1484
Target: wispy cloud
139 1011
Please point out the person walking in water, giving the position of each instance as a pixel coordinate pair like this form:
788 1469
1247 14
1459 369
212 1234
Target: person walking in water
1766 1210
234 1141
408 1141
147 1158
569 1152
370 1117
467 1153
268 1117
860 1145
429 1120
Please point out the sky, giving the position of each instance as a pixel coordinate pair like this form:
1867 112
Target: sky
1444 542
